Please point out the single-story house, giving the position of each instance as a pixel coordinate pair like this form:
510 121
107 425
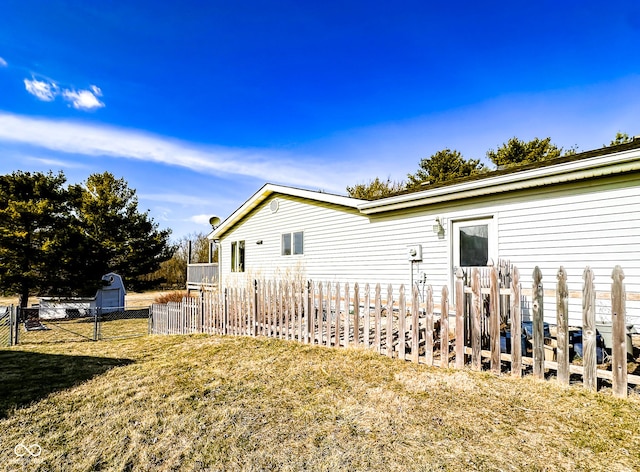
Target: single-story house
575 211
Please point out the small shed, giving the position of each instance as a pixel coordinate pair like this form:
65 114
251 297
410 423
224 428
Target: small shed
109 298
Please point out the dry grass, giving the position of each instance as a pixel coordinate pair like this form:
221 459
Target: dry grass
166 297
233 403
132 299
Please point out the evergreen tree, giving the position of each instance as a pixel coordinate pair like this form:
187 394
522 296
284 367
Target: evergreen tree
118 237
36 221
443 166
516 152
375 189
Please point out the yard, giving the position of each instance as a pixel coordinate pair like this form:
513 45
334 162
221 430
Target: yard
242 403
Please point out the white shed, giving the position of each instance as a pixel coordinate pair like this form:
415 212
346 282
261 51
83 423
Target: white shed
108 298
577 211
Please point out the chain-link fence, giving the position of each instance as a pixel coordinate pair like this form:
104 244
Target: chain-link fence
74 324
5 326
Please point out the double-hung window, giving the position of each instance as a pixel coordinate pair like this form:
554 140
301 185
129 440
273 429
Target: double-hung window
293 243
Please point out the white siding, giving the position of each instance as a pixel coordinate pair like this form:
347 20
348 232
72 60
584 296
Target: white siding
570 225
340 244
598 228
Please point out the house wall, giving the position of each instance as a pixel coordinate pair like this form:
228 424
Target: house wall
596 223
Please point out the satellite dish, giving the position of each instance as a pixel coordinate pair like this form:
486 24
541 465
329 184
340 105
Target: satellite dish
214 221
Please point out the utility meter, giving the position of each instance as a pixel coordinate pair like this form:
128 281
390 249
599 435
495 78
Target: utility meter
414 253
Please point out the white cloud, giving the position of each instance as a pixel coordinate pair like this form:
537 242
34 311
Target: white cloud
83 99
175 198
200 219
45 91
56 163
3 63
103 141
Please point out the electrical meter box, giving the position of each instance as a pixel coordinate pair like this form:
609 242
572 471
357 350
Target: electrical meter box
414 253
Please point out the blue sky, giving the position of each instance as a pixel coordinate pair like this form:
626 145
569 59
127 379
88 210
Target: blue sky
198 103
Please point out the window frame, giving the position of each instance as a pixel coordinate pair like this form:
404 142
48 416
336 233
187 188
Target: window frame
238 254
292 243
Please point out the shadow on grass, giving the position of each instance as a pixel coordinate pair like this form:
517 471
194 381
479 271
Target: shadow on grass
26 377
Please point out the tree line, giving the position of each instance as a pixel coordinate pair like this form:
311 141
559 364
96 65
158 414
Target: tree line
58 239
447 165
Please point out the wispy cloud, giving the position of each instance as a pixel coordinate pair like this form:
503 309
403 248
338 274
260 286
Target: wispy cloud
175 198
84 99
95 140
47 90
3 63
58 163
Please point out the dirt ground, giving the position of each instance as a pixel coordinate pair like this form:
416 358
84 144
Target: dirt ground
132 299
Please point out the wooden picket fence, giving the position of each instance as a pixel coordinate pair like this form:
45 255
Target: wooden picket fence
409 325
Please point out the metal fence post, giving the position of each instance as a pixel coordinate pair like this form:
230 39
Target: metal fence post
12 322
95 325
16 325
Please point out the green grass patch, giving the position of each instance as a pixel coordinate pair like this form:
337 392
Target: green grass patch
237 403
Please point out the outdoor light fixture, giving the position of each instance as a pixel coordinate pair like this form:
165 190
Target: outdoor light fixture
259 241
438 228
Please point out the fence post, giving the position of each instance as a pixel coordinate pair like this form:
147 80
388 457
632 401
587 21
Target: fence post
225 316
494 320
378 318
329 320
562 336
389 321
13 324
367 316
618 334
516 325
415 324
428 337
17 326
95 324
538 324
589 375
347 314
356 314
254 321
476 312
444 328
459 318
402 318
308 295
338 305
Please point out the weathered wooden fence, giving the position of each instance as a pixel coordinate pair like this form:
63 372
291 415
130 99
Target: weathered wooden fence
407 324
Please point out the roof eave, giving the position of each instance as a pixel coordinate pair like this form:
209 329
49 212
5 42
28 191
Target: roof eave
268 190
615 163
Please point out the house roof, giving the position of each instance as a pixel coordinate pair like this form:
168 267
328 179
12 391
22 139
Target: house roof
597 163
591 164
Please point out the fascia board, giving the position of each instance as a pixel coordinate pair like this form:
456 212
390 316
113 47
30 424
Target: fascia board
626 161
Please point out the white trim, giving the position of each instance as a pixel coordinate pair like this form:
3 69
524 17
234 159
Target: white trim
621 162
270 189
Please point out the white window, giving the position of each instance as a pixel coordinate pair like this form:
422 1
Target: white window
237 256
292 243
474 243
